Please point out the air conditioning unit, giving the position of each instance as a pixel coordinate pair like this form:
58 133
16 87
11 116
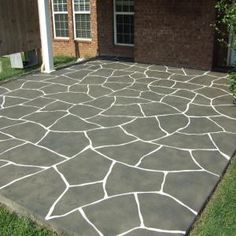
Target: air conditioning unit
24 60
16 61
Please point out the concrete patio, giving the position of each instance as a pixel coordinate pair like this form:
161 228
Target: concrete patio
115 148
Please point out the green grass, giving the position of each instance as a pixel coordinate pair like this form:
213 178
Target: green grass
8 72
12 225
60 60
219 217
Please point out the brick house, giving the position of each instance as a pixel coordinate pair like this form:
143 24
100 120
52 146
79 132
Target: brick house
173 32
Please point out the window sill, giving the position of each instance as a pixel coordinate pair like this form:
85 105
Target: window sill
84 40
124 45
61 39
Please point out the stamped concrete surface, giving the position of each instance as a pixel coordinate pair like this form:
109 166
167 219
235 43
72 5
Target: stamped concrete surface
115 148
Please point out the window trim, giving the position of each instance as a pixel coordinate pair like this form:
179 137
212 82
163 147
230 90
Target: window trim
74 22
53 20
115 13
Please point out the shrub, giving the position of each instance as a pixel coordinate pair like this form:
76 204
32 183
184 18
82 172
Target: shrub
232 82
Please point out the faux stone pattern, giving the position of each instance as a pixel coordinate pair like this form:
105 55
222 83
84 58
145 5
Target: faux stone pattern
115 148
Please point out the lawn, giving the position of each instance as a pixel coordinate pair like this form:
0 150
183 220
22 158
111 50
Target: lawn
12 225
8 72
219 217
61 60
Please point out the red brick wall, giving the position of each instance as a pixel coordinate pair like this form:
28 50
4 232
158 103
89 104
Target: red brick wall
175 32
77 48
106 32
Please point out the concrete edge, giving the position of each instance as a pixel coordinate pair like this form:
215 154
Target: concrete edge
21 211
191 228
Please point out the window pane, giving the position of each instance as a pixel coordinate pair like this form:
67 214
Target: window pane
59 5
82 5
125 29
83 27
124 5
61 25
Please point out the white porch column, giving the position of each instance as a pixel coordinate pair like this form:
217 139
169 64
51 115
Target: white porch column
46 36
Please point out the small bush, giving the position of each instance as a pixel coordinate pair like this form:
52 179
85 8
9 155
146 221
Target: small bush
232 81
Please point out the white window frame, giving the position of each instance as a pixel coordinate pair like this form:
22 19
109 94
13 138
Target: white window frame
115 13
53 19
74 22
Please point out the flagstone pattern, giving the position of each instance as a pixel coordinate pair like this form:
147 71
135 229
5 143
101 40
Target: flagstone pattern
114 147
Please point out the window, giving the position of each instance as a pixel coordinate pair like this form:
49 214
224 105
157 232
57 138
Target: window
124 22
82 19
60 18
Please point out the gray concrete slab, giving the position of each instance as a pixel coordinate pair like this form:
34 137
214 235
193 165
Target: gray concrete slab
115 148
